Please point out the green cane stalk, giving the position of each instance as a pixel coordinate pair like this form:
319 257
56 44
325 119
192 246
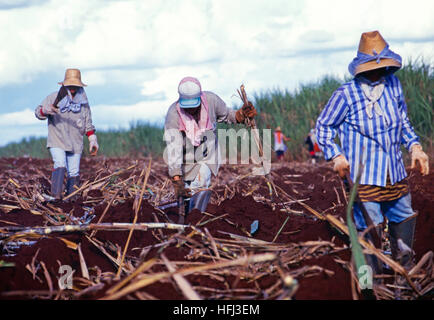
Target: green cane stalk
356 248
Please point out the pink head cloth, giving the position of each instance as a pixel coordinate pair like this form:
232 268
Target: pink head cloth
187 123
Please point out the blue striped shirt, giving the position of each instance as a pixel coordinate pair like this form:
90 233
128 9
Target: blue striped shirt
374 142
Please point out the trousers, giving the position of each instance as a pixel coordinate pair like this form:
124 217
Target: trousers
396 211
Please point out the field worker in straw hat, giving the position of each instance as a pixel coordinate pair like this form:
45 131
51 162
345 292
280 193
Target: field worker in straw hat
69 119
279 143
191 125
370 115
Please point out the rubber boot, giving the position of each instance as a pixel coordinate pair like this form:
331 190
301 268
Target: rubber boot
401 241
57 182
199 201
72 184
401 245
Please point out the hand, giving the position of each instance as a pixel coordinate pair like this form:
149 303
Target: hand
93 145
49 109
247 111
180 190
417 155
341 165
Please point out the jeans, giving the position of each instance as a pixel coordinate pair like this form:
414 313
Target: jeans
395 211
202 180
66 159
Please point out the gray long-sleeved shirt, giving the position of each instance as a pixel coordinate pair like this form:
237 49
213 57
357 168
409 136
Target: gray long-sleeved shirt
177 142
66 130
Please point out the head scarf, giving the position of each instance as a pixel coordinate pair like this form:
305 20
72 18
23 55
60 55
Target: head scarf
70 103
188 124
362 58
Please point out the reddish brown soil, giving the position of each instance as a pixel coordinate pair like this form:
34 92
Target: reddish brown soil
335 287
319 185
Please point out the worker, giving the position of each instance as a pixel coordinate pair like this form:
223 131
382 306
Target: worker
69 119
191 124
312 145
370 115
279 143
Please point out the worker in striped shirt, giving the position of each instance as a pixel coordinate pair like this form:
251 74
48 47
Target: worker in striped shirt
369 114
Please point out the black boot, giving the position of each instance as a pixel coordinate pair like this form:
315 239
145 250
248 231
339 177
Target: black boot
57 182
401 241
72 184
401 245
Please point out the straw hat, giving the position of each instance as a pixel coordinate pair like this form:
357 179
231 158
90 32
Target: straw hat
72 78
278 129
371 47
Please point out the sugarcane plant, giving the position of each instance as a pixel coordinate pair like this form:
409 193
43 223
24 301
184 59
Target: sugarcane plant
356 249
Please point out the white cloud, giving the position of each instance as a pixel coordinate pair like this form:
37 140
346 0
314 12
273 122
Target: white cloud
19 118
153 44
16 134
12 4
148 111
16 125
98 34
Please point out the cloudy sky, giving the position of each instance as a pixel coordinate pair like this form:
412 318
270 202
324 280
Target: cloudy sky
133 53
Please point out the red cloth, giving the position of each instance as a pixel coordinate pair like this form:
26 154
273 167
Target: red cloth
278 136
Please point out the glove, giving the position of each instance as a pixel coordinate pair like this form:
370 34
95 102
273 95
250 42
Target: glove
247 111
180 189
93 145
341 165
48 109
417 155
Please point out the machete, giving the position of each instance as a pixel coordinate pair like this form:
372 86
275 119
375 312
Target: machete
181 210
60 95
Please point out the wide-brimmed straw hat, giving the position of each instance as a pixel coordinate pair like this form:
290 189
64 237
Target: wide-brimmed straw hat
72 78
373 53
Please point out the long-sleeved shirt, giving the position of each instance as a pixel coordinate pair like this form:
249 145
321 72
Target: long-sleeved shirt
374 142
178 143
66 129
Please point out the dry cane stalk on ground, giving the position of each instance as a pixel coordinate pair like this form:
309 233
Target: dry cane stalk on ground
208 253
